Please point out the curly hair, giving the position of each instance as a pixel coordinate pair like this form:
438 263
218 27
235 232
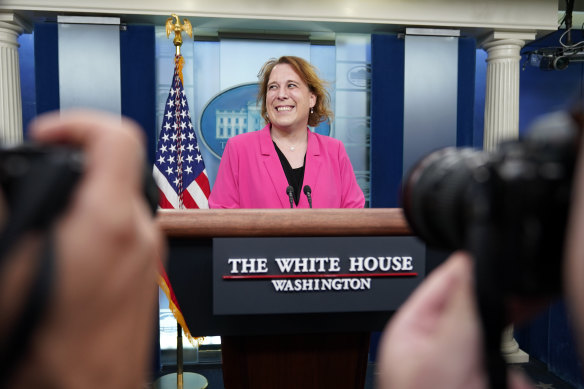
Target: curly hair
308 74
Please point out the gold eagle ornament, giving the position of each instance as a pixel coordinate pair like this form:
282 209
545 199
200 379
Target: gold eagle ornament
178 28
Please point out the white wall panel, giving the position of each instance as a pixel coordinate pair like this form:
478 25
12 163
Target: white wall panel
240 63
89 67
430 96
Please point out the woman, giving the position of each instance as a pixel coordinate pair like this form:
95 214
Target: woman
258 167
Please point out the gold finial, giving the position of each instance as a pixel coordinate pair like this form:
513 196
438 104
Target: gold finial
178 28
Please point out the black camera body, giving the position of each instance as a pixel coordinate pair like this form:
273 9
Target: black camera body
508 207
37 181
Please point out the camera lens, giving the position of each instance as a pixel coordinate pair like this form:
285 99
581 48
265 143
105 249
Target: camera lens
561 63
508 208
435 192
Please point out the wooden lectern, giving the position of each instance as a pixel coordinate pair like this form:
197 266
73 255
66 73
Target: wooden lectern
280 350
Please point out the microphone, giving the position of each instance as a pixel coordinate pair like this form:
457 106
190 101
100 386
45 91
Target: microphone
290 192
307 192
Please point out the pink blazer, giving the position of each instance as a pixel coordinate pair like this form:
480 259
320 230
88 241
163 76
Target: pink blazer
250 174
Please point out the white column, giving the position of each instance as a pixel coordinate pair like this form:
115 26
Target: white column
502 122
11 26
502 91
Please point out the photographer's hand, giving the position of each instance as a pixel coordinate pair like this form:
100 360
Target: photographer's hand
574 257
434 340
100 322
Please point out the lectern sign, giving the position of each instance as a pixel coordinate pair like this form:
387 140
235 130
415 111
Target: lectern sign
314 274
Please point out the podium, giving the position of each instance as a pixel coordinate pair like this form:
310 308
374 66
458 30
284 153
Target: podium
308 334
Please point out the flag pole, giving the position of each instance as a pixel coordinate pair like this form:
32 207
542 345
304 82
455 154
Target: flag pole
177 28
193 380
179 357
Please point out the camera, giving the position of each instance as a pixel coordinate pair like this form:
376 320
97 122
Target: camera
550 62
508 208
36 181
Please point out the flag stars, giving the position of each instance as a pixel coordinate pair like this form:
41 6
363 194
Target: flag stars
178 156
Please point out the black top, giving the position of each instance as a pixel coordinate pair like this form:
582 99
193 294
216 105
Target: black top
295 177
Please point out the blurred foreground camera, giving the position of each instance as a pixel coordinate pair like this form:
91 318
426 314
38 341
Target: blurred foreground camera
36 181
509 207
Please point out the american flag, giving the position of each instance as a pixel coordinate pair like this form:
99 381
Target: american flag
179 170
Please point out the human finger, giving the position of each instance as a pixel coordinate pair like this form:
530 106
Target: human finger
574 251
425 306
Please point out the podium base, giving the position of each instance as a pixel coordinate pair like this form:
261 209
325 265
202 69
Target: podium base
293 361
190 381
